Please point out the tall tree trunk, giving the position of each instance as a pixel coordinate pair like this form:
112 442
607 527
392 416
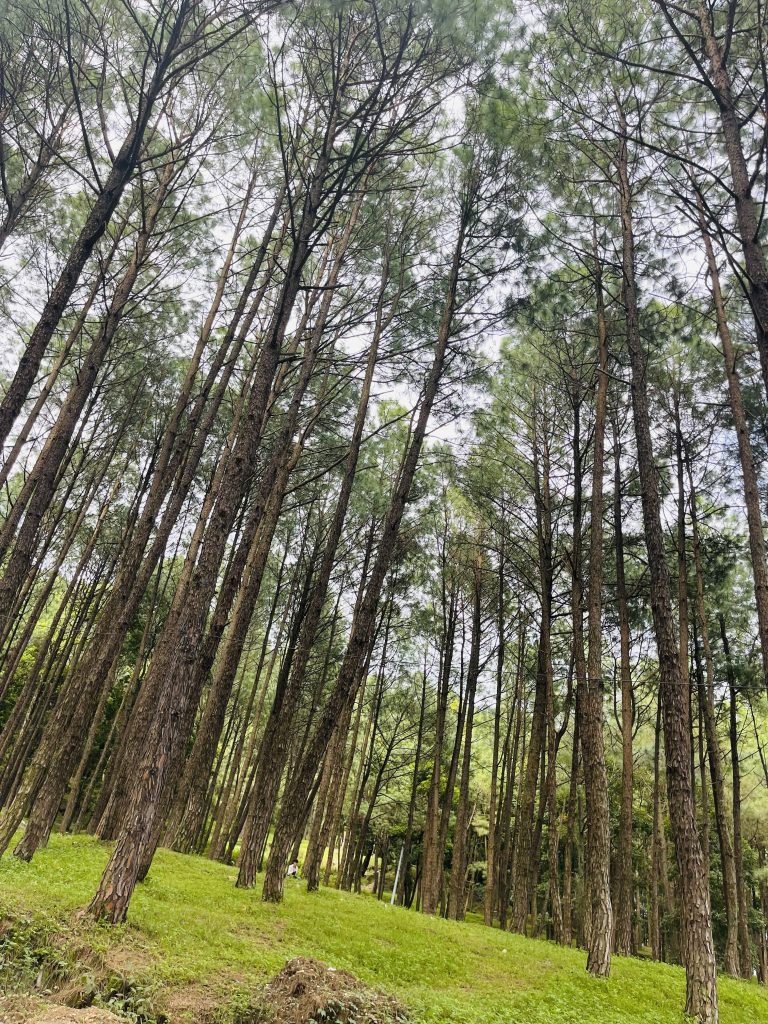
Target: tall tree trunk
746 455
173 663
432 852
591 730
398 893
524 826
98 218
40 485
707 708
570 835
491 875
699 958
747 214
623 937
654 921
274 742
181 450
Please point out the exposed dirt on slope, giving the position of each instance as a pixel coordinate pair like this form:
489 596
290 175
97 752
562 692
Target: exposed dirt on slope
30 1010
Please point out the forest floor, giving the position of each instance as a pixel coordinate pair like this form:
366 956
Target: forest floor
198 950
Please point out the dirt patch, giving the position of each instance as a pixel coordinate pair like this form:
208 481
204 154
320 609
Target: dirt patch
308 990
130 957
196 1003
28 1010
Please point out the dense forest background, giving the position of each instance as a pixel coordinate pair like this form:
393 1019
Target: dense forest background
385 456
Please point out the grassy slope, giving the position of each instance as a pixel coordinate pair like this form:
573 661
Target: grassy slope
190 926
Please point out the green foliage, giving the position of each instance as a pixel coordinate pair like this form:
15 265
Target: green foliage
28 957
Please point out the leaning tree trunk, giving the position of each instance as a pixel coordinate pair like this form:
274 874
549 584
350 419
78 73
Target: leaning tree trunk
40 485
61 745
173 663
274 745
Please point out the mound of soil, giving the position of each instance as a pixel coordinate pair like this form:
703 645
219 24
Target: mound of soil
308 991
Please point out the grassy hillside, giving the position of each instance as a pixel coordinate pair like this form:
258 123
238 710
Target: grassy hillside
197 942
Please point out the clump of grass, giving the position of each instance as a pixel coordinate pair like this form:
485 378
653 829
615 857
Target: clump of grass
124 996
29 959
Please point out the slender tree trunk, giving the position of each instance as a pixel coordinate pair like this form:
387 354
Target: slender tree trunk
432 853
623 938
745 952
398 893
707 709
491 874
456 896
746 455
591 731
654 923
570 837
747 214
98 218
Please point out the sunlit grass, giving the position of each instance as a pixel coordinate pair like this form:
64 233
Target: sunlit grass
189 925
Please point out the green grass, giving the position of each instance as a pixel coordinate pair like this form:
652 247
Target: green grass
189 926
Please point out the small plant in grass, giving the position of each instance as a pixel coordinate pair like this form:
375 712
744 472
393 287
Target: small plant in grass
126 997
29 960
